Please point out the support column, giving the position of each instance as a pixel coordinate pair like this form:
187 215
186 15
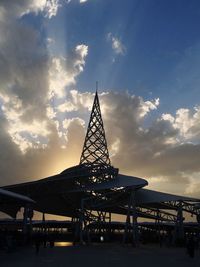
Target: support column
127 225
43 222
44 230
131 226
109 226
157 224
198 221
30 216
81 220
76 229
179 223
25 220
134 220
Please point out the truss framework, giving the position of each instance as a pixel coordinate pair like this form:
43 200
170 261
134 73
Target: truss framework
188 207
102 205
95 149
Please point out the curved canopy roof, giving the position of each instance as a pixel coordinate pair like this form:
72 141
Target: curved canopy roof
60 194
10 202
146 196
121 181
9 196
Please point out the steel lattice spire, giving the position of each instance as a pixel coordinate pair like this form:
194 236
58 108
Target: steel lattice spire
95 146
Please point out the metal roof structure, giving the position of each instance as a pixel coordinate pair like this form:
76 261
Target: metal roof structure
11 202
11 196
146 196
61 195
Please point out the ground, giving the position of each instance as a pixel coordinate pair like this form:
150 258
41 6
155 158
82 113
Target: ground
112 255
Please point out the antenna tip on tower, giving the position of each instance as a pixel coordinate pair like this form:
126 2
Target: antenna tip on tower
96 86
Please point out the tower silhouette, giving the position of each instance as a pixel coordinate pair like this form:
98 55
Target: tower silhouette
95 155
95 149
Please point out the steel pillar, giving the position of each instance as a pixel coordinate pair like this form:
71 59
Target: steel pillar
134 220
179 228
27 222
131 226
81 222
157 223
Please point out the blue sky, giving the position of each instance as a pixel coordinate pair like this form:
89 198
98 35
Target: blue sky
161 40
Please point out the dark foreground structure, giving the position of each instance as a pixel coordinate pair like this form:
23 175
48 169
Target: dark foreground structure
91 192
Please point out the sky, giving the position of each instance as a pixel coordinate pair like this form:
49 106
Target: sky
145 56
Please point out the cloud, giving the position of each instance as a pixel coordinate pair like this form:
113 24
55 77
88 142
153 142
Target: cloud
187 121
28 119
51 8
194 186
116 43
29 75
40 162
67 106
27 93
63 71
80 1
76 101
15 9
156 151
68 122
23 77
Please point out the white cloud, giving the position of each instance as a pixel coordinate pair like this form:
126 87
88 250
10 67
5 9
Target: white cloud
82 100
187 122
51 8
51 114
80 1
117 45
67 107
68 122
147 106
168 117
76 102
26 131
18 129
36 131
63 71
58 77
14 9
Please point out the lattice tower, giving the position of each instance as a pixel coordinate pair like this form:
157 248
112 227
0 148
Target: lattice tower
95 149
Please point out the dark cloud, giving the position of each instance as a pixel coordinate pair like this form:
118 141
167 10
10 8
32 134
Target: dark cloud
24 68
148 152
